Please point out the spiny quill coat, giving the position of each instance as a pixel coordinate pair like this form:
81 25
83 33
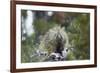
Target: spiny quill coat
55 41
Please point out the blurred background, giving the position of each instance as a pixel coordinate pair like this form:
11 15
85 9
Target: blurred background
35 25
